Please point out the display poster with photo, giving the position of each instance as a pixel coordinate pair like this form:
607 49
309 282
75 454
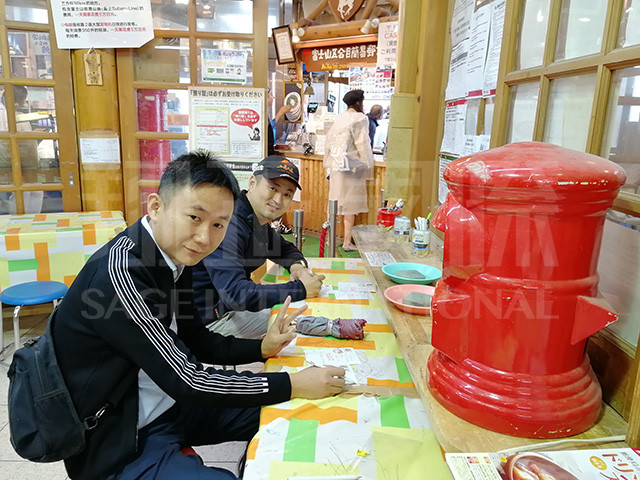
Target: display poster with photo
103 24
224 66
293 98
228 122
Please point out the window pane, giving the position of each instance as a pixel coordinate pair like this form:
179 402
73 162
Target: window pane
7 203
29 54
581 28
155 154
489 105
42 201
4 123
163 60
144 198
569 111
225 62
622 138
35 109
163 110
170 14
39 161
226 16
630 25
6 177
533 31
522 112
35 11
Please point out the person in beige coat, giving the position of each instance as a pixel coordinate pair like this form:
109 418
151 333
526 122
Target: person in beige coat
348 159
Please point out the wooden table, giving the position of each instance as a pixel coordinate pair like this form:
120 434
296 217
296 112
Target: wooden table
414 338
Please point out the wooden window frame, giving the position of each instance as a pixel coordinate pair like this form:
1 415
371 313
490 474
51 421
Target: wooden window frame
127 86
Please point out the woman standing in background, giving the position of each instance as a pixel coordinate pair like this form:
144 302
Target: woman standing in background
348 159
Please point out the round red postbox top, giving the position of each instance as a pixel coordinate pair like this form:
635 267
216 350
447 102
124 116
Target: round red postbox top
536 165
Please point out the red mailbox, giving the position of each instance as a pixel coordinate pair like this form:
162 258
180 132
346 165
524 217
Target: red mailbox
518 298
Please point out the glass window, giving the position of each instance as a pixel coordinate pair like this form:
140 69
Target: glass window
630 26
227 16
34 11
170 14
163 110
522 112
30 54
4 124
471 120
6 177
533 32
581 28
163 60
225 62
39 161
569 111
42 201
489 104
7 203
622 138
156 154
35 109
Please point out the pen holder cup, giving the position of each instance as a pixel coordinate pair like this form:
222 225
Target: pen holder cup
386 218
420 239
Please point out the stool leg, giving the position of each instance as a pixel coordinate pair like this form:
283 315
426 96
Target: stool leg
16 326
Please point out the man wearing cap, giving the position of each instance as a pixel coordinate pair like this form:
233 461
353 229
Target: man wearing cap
224 293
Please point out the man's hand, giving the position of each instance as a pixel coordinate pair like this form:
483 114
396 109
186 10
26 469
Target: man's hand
296 271
316 382
281 332
312 283
281 113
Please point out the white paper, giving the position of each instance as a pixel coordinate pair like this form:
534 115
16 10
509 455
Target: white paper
228 121
224 66
461 20
619 270
457 82
100 150
387 44
342 295
498 8
443 189
478 40
336 357
356 287
103 24
296 162
453 137
325 290
379 259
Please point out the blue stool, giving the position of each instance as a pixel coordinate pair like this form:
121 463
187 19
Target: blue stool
29 293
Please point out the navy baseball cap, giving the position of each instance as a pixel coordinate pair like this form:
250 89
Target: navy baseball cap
275 166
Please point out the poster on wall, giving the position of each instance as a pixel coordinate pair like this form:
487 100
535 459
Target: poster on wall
224 66
387 45
103 24
228 122
293 97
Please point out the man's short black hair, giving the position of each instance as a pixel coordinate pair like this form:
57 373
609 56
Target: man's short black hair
193 169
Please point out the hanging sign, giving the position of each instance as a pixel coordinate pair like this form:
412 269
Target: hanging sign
227 121
341 57
387 44
102 24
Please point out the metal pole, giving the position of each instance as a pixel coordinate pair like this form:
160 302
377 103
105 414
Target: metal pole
382 198
298 236
333 214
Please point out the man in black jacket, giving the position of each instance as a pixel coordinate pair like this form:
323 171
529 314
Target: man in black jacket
130 310
223 290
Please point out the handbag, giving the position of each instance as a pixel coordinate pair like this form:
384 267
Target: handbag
44 425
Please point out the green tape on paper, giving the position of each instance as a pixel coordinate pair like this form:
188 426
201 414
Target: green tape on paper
393 413
403 372
300 445
20 265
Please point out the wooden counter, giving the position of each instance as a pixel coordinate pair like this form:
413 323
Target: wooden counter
315 191
414 337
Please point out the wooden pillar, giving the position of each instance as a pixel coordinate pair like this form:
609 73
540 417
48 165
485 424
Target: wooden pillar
412 150
97 117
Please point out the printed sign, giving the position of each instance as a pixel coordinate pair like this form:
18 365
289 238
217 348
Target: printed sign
224 66
338 58
102 24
